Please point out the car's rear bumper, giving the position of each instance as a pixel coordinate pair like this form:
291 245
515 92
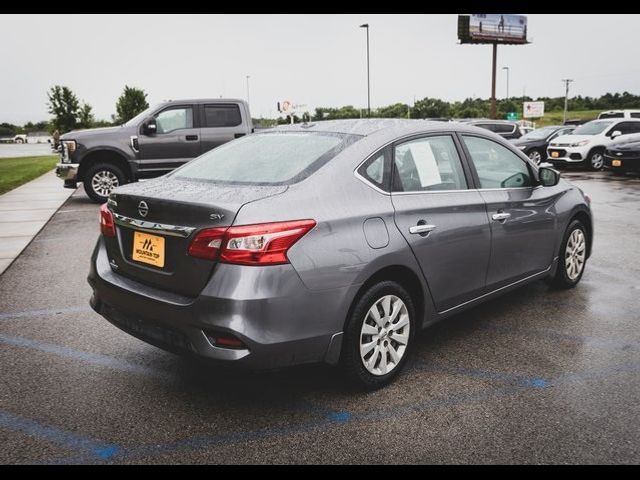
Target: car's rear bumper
279 321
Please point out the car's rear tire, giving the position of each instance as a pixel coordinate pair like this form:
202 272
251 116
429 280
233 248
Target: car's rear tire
379 335
595 160
100 180
572 258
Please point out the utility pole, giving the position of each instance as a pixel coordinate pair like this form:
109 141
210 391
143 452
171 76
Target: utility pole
493 82
508 70
366 26
566 81
248 99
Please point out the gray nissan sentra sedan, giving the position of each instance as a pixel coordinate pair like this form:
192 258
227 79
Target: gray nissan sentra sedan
333 242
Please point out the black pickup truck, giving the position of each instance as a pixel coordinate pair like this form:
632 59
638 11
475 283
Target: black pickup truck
151 144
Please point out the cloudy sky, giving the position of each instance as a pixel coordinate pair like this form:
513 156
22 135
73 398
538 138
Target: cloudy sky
318 60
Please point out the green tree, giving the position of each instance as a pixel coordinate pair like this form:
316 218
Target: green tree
132 101
85 116
397 110
431 108
64 106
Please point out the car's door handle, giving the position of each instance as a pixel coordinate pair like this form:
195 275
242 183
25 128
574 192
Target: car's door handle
421 229
500 216
191 137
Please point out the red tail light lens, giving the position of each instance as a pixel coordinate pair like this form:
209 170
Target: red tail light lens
263 244
107 227
206 244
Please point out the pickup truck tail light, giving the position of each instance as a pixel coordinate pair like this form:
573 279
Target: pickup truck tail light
107 227
262 244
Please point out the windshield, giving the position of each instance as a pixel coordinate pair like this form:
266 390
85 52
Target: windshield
539 134
592 128
138 118
267 158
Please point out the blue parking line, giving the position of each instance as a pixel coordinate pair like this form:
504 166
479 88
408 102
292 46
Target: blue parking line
55 435
521 380
48 311
88 357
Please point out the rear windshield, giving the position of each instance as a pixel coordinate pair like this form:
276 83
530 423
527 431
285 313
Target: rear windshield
276 158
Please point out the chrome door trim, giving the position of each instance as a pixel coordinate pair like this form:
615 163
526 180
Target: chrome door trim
422 228
496 290
152 227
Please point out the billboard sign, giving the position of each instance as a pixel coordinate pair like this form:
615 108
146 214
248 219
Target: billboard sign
492 28
533 109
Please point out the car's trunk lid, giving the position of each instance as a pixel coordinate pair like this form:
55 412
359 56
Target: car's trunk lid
156 221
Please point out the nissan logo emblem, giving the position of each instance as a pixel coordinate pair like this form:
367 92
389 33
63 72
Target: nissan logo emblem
143 208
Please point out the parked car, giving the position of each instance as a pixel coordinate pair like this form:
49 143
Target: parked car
587 143
151 144
623 155
619 114
504 128
534 144
332 242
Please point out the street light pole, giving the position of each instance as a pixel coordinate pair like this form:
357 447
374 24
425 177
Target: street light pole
507 69
248 98
566 81
366 25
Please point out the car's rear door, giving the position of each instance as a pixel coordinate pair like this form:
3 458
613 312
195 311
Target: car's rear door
441 217
221 123
522 213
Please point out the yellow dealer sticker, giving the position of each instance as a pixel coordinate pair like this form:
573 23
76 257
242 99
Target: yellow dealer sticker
148 249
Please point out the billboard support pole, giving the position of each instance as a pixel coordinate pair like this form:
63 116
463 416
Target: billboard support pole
493 82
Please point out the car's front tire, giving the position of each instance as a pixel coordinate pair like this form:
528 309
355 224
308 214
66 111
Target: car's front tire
573 256
536 155
595 160
379 335
100 180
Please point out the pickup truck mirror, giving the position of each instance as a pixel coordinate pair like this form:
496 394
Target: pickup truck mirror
149 127
615 134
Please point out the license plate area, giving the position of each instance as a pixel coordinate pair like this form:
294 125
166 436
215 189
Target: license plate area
555 154
616 163
149 249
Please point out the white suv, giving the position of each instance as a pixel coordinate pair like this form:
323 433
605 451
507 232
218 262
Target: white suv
587 142
619 114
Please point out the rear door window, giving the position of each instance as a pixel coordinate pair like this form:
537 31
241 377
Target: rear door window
428 164
216 116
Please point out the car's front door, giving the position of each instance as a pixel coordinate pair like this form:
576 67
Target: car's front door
176 141
443 220
221 123
522 213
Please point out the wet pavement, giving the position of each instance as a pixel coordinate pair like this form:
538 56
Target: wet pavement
537 376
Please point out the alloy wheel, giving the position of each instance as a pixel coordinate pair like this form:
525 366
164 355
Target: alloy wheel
103 182
384 335
575 254
535 157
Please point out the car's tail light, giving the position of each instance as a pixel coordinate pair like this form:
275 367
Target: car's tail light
263 244
107 227
206 244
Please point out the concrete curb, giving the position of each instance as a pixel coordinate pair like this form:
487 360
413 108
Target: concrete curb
24 211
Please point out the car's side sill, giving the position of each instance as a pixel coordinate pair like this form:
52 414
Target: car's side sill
496 291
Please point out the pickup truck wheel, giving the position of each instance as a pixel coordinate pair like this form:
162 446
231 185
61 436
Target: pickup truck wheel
19 140
100 180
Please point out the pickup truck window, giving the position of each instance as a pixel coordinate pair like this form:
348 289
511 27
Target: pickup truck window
174 119
222 116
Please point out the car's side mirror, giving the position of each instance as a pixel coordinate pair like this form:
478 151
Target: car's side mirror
149 127
548 176
615 134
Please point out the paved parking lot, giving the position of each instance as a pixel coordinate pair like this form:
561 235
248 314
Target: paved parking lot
537 376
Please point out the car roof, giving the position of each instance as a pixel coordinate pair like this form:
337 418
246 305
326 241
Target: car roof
206 100
369 126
